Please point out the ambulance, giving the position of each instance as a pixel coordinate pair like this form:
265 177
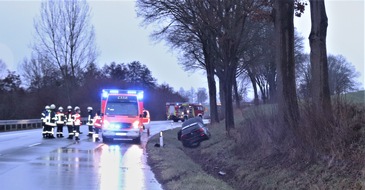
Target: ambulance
123 115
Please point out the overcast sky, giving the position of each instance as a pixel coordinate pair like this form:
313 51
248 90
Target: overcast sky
120 37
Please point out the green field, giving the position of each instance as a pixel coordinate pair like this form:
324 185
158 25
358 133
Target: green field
355 97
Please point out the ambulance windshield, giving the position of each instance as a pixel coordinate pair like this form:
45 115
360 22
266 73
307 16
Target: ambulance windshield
122 108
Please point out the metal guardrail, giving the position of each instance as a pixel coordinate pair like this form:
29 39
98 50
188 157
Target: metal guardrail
14 125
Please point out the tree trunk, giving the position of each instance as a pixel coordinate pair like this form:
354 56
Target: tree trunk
254 86
284 36
318 57
212 94
263 92
236 95
212 88
272 83
222 97
228 99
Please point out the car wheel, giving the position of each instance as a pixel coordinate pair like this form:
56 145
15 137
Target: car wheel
186 144
179 135
191 145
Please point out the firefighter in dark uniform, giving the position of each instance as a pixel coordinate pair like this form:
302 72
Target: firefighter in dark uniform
60 122
90 121
44 119
51 122
77 122
69 122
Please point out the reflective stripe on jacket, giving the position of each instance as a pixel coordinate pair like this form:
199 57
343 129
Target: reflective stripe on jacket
97 122
69 119
90 120
77 119
60 118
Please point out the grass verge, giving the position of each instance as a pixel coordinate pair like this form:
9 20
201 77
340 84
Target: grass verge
174 169
254 159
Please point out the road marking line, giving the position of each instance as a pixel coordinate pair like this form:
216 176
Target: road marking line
34 144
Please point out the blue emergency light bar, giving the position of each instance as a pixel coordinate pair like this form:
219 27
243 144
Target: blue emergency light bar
105 92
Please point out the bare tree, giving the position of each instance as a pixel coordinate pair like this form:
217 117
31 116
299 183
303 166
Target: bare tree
341 76
219 28
37 73
184 29
201 95
65 37
318 56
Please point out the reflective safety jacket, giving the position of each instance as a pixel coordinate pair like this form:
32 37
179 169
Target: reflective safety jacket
90 120
77 119
60 118
97 122
44 116
69 118
51 119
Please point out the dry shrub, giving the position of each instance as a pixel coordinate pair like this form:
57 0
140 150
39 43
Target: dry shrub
259 131
332 139
322 139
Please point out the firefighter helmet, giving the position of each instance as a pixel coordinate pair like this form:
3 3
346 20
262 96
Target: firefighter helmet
89 108
77 108
53 106
69 107
47 107
60 108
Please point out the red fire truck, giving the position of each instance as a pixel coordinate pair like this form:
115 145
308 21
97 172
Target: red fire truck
123 115
182 111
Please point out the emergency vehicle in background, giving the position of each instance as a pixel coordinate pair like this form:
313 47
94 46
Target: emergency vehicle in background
123 116
182 111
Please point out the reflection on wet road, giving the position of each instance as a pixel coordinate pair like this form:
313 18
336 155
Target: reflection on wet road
114 166
132 175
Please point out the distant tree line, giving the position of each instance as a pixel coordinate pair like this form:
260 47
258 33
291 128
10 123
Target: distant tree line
22 101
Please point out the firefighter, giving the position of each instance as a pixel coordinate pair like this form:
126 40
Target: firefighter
69 122
77 122
146 117
51 121
44 119
60 122
97 125
90 121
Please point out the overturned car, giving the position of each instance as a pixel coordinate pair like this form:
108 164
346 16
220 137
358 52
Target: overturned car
192 132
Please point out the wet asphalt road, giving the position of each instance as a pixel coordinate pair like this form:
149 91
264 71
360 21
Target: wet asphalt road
27 161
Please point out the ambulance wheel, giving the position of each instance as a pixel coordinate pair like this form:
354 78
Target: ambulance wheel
106 140
137 140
